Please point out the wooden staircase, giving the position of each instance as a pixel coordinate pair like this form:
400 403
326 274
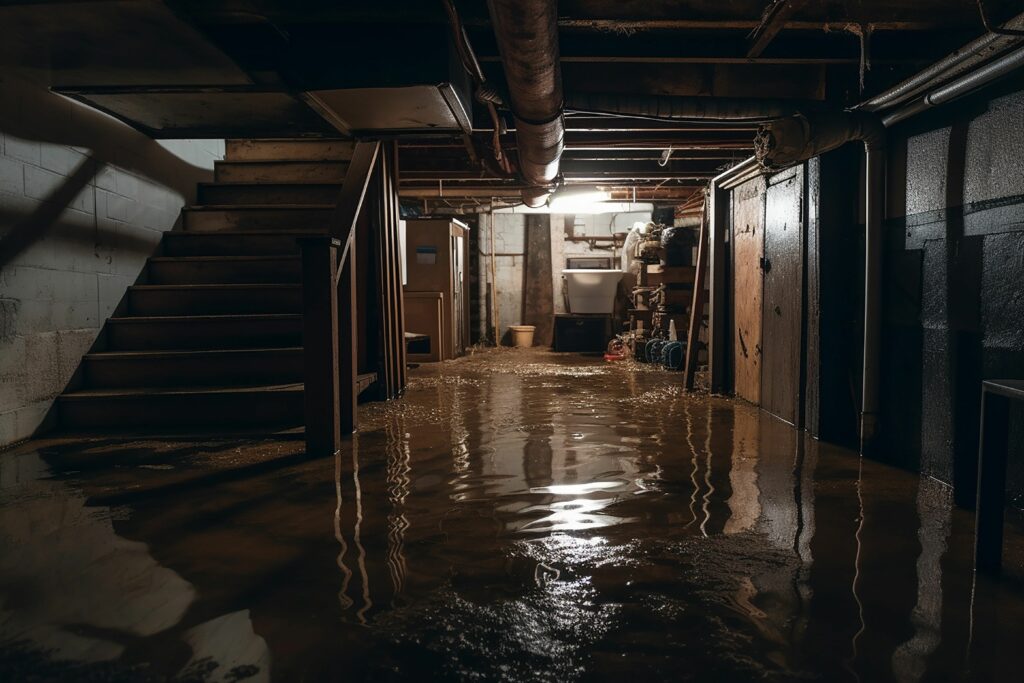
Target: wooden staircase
212 334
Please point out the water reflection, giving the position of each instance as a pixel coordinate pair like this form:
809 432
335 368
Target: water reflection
521 521
78 601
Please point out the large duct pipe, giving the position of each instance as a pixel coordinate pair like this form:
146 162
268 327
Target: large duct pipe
527 33
790 141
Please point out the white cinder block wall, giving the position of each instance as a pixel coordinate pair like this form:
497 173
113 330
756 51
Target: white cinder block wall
84 201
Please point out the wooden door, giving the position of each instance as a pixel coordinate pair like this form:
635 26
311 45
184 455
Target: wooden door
783 295
747 250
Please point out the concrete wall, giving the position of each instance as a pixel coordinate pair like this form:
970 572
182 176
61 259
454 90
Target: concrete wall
954 281
510 248
84 201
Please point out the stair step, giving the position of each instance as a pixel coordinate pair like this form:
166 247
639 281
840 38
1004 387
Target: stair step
153 333
172 270
270 218
272 406
280 149
247 194
239 243
164 300
280 171
192 368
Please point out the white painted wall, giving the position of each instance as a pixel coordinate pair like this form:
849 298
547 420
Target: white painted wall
65 265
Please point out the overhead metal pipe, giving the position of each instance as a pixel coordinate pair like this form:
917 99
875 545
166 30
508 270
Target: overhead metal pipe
966 58
960 87
527 35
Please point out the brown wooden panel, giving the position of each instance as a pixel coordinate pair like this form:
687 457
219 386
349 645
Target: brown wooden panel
747 249
424 315
783 295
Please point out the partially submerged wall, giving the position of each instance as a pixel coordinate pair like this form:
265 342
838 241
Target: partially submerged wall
954 281
84 201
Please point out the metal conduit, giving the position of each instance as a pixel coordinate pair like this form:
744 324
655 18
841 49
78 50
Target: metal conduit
958 62
960 87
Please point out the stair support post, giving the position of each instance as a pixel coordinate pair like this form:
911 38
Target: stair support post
322 372
348 336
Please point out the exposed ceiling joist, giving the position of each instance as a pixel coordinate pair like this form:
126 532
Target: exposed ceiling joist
772 21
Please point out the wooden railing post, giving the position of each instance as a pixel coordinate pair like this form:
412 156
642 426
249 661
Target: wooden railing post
330 308
348 336
320 344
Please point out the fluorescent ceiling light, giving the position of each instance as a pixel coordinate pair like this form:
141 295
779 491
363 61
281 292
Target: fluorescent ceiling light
583 201
592 208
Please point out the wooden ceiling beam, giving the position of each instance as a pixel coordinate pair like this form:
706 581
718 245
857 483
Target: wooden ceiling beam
772 21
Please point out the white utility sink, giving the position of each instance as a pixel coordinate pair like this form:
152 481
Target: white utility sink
592 290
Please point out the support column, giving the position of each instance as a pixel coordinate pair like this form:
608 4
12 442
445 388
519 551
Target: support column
347 342
320 344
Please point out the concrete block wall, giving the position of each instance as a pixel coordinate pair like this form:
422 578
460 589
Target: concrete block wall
955 274
84 201
509 263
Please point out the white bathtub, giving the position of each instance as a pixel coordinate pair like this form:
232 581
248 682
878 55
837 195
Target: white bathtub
592 291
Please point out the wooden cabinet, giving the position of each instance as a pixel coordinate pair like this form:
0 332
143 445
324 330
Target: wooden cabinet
436 262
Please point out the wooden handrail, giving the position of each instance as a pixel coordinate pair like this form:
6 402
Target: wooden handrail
353 192
331 307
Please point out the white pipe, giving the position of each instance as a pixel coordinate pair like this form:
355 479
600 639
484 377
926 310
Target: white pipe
874 192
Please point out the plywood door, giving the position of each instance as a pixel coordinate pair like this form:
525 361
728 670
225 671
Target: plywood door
783 295
747 250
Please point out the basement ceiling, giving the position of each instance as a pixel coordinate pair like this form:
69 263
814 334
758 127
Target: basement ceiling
269 68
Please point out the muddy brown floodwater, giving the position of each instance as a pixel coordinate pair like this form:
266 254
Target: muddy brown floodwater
518 516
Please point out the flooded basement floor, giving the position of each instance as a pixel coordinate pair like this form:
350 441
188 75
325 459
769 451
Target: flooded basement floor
518 516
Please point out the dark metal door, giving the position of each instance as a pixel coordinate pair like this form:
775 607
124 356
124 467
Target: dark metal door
783 295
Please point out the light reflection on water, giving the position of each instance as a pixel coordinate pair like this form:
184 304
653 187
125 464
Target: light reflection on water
468 532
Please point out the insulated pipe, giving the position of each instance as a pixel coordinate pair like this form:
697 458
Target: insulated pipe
789 141
527 35
964 59
960 87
